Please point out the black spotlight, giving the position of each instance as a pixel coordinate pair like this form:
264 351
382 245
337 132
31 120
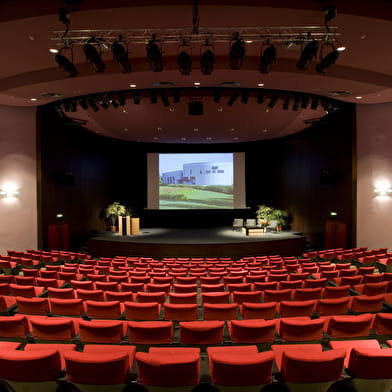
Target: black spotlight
83 104
94 57
244 96
314 104
297 102
92 105
103 104
184 62
207 62
74 106
267 59
137 97
164 99
330 13
121 99
153 96
65 64
67 107
273 101
304 102
113 102
217 95
233 98
237 52
307 55
176 96
64 16
154 56
120 55
327 61
286 102
260 98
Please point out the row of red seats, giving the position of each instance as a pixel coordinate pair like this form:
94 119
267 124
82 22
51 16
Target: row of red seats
181 310
173 367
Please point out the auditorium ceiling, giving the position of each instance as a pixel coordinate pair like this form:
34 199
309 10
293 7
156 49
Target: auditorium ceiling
226 106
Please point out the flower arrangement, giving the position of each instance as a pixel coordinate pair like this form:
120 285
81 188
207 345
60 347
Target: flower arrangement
113 211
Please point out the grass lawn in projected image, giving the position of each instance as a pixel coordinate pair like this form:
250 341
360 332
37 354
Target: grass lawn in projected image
195 196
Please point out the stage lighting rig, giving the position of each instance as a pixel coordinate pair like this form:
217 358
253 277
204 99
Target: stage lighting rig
154 55
237 52
267 59
307 55
327 60
207 59
93 55
233 98
273 101
184 59
65 63
120 55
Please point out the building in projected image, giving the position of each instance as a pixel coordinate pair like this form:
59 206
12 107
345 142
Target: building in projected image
201 173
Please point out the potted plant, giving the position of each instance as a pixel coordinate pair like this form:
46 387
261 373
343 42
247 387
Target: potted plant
112 212
281 217
264 215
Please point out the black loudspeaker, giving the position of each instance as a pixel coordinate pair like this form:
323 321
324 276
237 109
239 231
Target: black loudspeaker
65 178
195 108
327 176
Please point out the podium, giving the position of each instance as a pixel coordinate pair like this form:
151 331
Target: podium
128 225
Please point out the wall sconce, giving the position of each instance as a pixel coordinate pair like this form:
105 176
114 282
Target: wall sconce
9 193
383 188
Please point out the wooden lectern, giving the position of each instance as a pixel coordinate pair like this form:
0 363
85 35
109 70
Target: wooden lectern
128 225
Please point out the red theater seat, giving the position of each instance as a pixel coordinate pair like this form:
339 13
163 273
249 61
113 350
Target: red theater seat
296 308
279 349
336 292
219 311
201 332
66 307
65 293
150 332
307 294
183 298
216 297
252 331
159 297
53 328
180 312
345 327
90 295
251 310
35 305
332 306
14 326
300 329
101 331
142 311
367 304
252 296
277 295
121 296
103 309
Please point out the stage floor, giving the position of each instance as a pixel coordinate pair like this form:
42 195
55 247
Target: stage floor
219 241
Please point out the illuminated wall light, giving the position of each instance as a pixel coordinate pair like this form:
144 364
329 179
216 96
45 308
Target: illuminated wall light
9 191
383 188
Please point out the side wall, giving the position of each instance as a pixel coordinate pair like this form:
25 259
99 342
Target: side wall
374 154
18 229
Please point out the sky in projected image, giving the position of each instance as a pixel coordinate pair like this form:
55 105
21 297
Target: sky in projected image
196 181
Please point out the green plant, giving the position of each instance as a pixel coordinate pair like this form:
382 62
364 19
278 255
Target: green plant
113 211
280 216
264 214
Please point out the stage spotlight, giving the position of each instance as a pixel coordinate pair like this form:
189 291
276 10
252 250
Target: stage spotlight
260 98
233 98
237 52
60 112
120 55
286 102
64 16
164 99
267 59
184 62
273 101
330 13
121 99
154 56
92 105
83 104
244 96
74 106
67 107
304 102
297 102
327 61
103 104
217 95
176 96
307 55
207 62
137 97
94 57
153 96
65 64
113 102
314 104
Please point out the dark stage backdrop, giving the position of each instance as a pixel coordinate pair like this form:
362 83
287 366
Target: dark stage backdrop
310 174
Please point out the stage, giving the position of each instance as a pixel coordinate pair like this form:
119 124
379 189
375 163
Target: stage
205 242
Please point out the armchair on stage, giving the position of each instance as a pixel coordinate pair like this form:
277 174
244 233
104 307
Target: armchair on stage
128 225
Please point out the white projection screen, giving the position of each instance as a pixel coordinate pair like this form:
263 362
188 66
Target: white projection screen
191 181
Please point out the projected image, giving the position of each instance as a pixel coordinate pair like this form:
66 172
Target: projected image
196 181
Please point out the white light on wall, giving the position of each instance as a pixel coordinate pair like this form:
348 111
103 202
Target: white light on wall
9 191
383 188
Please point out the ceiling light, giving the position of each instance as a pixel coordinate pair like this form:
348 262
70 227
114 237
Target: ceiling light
207 61
171 109
126 129
183 138
33 99
184 61
155 138
237 52
53 50
159 129
196 83
233 98
120 55
65 63
195 129
220 109
93 56
341 48
132 85
248 41
125 111
103 104
327 60
260 84
154 56
208 138
307 55
358 97
267 59
113 102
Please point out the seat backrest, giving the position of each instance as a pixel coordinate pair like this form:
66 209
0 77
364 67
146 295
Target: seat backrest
142 310
14 327
101 331
300 330
35 305
150 332
66 307
53 328
350 326
370 363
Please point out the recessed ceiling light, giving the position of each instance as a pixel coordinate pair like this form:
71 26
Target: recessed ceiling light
195 129
155 138
260 84
183 138
133 85
196 83
126 129
31 37
125 111
171 109
341 48
53 50
33 99
220 109
159 128
267 110
265 130
249 41
236 138
358 97
208 138
363 36
232 129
